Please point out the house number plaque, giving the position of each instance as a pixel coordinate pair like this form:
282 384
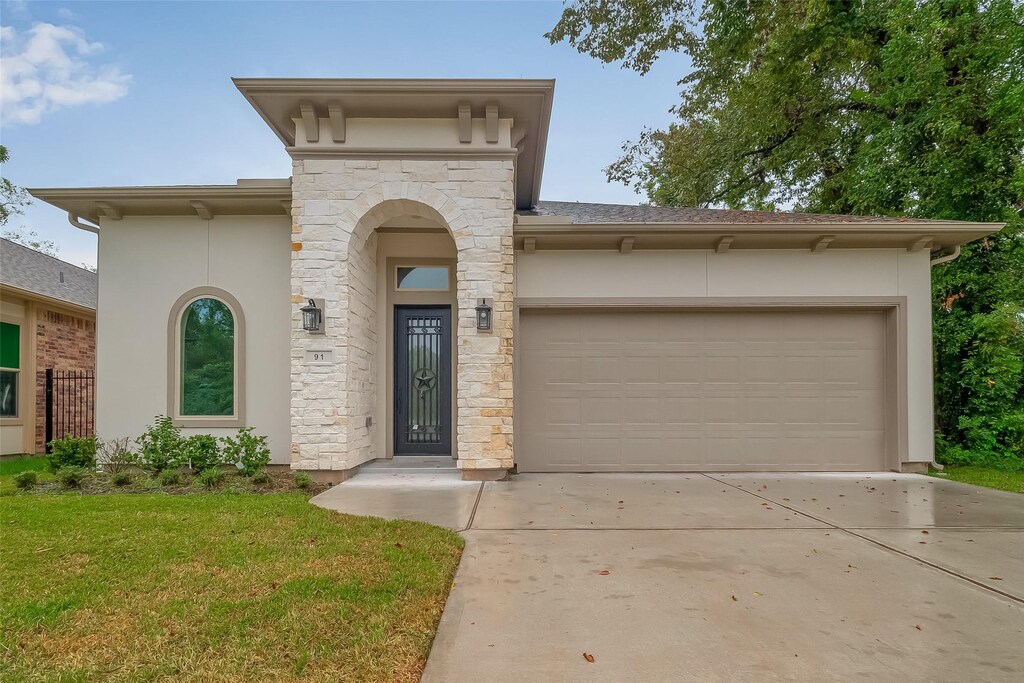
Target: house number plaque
319 357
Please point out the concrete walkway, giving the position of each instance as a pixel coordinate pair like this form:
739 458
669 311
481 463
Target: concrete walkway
677 577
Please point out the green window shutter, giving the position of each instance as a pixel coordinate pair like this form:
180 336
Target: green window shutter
10 345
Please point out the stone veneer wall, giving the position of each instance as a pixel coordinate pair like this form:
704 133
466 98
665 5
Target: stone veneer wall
336 206
63 342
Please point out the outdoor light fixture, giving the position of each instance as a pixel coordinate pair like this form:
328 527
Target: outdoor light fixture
483 315
313 317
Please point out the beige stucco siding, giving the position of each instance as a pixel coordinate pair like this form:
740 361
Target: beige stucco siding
145 264
757 273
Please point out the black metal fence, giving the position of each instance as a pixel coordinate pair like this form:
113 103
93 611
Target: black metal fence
70 404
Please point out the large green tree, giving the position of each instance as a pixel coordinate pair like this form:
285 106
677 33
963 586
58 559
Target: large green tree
884 107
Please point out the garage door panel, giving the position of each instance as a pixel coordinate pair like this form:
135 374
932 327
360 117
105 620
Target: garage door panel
713 390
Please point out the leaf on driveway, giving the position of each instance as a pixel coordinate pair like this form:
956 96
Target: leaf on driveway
917 626
589 657
996 578
604 572
734 599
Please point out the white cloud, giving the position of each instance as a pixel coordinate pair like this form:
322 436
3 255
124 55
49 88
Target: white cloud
49 67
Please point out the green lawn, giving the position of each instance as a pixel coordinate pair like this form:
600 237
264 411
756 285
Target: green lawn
12 466
985 476
214 587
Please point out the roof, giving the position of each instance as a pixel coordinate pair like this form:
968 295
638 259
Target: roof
582 212
280 102
35 272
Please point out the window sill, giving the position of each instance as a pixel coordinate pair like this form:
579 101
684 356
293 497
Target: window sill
209 422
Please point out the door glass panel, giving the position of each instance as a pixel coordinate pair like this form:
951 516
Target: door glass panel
423 424
433 278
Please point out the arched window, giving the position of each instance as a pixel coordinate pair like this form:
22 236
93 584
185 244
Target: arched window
207 364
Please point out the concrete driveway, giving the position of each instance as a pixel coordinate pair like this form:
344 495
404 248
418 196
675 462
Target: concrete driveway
673 577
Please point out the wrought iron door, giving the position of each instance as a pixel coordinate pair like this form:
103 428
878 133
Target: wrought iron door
423 373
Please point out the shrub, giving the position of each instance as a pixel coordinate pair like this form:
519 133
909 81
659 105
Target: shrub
169 478
26 480
122 478
247 451
200 452
71 477
72 451
115 455
160 446
211 477
261 477
303 480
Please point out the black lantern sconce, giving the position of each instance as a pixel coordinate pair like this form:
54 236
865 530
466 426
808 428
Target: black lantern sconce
483 315
313 316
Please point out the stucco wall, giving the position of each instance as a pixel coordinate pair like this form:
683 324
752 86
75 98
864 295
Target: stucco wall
145 264
757 273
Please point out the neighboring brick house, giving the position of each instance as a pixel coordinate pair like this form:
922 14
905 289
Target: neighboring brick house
47 320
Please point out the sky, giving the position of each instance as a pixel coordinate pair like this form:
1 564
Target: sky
139 93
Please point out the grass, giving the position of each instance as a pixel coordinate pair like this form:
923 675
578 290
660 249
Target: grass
24 463
215 587
984 476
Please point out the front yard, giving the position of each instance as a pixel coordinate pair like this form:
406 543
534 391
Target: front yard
985 476
214 587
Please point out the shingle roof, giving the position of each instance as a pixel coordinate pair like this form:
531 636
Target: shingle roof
584 213
33 271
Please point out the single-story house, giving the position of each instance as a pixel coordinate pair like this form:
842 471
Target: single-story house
406 292
47 322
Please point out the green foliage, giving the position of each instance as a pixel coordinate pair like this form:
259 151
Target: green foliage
211 477
115 455
893 108
261 477
160 445
26 480
121 478
72 451
208 359
170 477
247 451
71 477
200 452
13 199
303 480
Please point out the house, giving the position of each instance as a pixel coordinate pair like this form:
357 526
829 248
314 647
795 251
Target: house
47 322
406 292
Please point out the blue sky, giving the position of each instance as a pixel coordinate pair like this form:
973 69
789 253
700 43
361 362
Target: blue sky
139 93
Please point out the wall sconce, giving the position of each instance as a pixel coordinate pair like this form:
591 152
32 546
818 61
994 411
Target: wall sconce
313 316
483 315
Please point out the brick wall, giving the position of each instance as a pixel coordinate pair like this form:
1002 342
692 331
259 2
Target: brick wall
63 342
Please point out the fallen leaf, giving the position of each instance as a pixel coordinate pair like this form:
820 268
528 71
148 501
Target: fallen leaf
917 626
589 657
734 599
996 578
756 593
604 572
924 531
398 545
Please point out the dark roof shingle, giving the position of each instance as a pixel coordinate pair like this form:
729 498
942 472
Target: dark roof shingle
586 213
32 271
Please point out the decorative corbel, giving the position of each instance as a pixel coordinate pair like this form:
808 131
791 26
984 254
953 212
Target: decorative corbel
202 209
723 244
465 122
491 113
922 242
822 243
626 245
310 122
337 116
529 245
108 211
287 206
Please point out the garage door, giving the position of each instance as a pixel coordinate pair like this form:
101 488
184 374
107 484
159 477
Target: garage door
700 390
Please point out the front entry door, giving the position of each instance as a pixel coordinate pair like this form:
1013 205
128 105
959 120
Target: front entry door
423 380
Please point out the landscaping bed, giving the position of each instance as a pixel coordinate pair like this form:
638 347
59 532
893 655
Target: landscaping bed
214 587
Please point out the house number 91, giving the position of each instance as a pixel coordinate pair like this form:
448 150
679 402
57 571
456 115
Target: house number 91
319 357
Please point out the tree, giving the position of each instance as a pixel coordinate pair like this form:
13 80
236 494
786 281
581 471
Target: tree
884 107
13 199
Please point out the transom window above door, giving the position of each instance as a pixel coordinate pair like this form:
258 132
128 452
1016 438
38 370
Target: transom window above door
422 278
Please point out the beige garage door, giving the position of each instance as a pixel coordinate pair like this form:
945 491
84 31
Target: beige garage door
708 390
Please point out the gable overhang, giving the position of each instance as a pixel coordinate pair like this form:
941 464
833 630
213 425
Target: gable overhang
285 104
532 233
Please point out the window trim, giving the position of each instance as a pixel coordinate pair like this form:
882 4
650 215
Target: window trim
448 270
174 361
